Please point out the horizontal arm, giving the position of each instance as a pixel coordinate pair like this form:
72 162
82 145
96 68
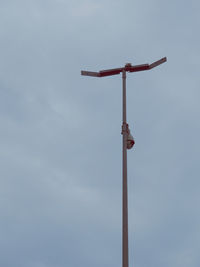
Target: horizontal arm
90 73
128 67
110 72
158 62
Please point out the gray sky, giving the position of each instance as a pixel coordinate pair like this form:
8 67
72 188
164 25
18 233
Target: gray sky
60 157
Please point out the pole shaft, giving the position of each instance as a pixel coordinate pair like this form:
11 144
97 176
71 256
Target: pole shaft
125 186
124 95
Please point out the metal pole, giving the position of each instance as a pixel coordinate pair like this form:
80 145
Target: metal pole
127 140
124 191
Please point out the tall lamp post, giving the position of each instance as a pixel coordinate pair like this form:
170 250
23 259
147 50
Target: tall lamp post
128 142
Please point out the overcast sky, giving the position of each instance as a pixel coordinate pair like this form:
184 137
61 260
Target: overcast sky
60 138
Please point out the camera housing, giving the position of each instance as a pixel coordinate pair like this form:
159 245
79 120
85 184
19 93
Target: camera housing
130 141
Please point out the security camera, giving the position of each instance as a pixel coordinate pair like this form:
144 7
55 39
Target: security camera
130 141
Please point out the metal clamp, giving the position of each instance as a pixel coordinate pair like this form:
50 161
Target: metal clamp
125 128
